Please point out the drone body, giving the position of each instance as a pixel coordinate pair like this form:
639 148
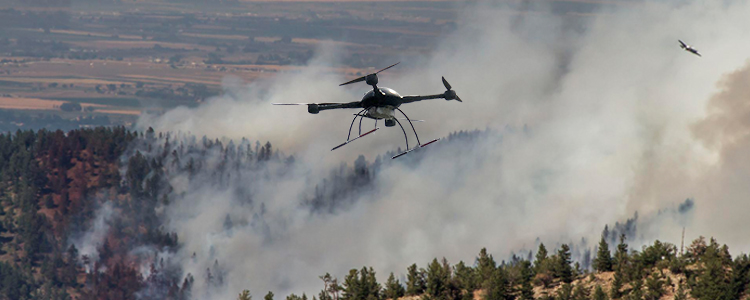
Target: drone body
381 103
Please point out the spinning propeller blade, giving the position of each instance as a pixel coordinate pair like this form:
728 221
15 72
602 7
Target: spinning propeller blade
388 67
353 81
365 77
450 94
303 103
446 84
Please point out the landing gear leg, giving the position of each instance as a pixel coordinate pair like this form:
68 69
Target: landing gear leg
419 144
360 125
352 125
405 137
412 127
360 130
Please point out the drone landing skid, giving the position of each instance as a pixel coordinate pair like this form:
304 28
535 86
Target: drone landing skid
430 142
415 148
354 139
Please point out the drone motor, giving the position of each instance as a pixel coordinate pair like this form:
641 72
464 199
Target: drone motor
313 108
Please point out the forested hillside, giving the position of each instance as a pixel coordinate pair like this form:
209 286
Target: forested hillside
83 217
102 188
52 184
705 270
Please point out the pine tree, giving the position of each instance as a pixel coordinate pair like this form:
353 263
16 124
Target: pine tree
415 284
329 287
565 292
485 266
527 275
370 288
466 277
581 293
70 273
680 294
599 293
268 296
323 295
636 293
498 286
740 276
603 262
293 297
541 259
352 286
563 270
187 286
245 295
621 256
712 281
437 280
48 271
655 287
393 288
615 291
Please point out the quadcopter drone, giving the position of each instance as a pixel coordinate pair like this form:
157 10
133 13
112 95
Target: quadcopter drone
380 103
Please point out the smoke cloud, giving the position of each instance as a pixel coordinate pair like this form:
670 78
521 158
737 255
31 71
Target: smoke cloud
726 132
589 120
93 237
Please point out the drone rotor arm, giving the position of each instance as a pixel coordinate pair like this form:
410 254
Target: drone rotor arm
325 106
315 108
410 99
275 103
449 94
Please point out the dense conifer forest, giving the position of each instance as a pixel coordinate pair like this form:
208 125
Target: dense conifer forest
56 186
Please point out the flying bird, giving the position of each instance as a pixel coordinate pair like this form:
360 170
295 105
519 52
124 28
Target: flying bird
688 48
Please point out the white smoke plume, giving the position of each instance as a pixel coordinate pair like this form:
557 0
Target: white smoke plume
89 242
589 126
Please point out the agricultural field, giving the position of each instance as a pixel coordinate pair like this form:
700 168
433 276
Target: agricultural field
123 57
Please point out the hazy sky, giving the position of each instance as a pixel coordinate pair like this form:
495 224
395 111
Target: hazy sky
592 125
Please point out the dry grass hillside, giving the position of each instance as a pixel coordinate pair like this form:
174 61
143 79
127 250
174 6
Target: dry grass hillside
605 280
589 282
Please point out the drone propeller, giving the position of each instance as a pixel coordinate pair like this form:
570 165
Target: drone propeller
450 94
371 78
446 84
